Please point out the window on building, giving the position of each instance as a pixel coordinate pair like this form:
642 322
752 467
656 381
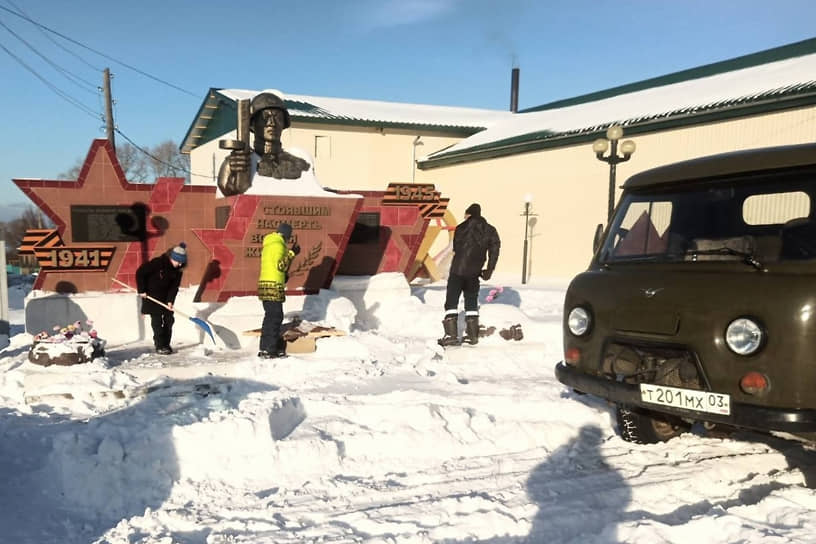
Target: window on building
322 147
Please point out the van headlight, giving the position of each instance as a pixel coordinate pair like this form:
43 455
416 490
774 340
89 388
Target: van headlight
578 321
744 336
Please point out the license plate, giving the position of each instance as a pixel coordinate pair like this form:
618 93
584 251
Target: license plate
688 399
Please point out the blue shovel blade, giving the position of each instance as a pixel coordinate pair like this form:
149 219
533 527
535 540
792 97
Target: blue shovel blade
204 326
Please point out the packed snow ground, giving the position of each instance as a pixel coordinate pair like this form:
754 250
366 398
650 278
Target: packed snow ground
379 436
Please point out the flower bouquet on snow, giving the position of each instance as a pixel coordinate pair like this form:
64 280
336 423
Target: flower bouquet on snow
68 345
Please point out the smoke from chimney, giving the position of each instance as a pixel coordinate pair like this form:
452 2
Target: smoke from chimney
514 90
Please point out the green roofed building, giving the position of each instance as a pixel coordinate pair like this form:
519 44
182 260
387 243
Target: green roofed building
543 154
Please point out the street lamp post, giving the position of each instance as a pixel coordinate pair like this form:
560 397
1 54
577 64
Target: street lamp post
528 200
599 146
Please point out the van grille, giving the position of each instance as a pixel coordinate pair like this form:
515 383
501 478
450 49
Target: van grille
636 363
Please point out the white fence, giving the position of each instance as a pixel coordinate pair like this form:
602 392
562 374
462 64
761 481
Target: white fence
4 298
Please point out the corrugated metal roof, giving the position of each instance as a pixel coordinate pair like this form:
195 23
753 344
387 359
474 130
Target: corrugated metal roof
464 121
774 81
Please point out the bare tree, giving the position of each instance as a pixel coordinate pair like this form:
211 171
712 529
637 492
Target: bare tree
73 172
144 166
167 161
133 162
14 230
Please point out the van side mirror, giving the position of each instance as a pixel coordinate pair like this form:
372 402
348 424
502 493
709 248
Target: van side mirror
596 242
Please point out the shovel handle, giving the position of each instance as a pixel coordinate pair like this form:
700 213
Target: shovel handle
148 297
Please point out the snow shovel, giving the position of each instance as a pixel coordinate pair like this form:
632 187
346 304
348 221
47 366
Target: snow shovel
198 321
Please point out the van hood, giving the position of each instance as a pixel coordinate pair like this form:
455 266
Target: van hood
678 303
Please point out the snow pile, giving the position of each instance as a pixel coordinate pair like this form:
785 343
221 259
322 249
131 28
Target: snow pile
378 436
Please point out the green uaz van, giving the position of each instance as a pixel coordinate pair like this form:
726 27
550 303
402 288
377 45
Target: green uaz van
700 301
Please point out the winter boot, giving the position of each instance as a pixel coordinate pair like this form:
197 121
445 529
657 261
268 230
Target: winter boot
280 348
451 337
471 329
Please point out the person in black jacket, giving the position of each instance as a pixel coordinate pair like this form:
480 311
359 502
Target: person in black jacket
160 278
474 241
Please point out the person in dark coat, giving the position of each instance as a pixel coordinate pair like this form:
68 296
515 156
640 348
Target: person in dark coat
160 278
474 242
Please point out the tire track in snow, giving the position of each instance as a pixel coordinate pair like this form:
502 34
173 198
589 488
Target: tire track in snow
565 498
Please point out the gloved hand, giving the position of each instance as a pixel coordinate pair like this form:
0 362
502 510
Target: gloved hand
485 275
295 248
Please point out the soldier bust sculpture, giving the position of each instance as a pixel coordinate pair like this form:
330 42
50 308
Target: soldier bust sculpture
267 119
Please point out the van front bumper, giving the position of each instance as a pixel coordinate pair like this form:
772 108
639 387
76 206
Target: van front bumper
749 416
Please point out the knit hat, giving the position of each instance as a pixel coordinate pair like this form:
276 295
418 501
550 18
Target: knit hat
179 253
285 230
474 210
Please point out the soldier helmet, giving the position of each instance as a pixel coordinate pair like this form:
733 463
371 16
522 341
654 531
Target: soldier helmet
265 101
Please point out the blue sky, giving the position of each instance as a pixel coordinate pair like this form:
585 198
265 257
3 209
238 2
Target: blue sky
446 52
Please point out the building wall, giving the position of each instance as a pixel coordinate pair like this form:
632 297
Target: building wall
345 157
569 186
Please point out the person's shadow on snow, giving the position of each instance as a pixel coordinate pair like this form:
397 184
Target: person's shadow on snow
564 499
69 481
581 498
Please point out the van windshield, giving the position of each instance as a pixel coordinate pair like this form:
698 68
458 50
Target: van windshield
755 221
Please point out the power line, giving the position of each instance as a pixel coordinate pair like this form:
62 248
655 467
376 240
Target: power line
175 167
101 54
71 100
75 79
55 42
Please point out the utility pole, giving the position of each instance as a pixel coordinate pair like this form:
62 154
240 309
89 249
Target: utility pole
108 107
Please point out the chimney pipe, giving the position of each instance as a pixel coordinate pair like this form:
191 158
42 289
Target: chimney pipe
514 90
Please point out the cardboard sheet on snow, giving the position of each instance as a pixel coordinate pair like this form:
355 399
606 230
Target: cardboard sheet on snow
301 336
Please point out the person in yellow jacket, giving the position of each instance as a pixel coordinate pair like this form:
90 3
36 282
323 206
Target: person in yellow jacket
275 260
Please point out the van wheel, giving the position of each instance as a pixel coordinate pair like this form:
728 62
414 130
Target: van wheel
645 427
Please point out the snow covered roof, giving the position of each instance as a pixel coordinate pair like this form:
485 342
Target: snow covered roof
217 114
778 78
